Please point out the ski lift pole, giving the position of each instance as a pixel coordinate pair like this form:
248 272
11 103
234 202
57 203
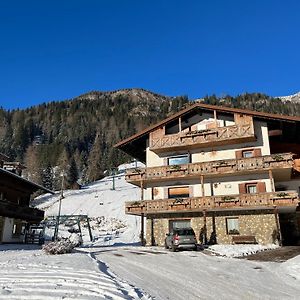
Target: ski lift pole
89 228
59 208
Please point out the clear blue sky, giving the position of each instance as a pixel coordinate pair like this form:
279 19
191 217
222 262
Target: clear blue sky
55 50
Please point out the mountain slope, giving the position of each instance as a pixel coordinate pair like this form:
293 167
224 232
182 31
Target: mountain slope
292 98
79 132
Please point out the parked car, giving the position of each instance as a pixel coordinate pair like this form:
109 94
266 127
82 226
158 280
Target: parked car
181 238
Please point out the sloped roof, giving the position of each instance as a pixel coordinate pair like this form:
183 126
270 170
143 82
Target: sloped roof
259 115
33 186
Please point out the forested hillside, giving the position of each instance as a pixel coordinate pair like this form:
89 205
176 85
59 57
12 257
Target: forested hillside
76 136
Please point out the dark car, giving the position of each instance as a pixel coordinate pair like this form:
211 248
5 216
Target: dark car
181 238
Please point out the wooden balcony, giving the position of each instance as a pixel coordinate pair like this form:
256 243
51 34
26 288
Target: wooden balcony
12 210
212 168
213 203
203 138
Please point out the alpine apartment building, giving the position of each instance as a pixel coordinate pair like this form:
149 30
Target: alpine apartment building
233 175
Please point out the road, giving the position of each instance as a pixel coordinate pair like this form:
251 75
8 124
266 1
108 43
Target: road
194 275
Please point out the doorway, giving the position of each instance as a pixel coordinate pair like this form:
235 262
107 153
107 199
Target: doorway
289 230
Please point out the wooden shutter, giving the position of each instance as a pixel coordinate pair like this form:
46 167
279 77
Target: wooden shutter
238 154
178 192
256 152
261 187
242 188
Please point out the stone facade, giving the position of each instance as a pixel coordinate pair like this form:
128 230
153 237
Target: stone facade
258 223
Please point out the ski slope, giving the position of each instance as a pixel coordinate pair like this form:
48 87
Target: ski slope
104 206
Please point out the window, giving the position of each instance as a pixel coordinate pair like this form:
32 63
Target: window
232 225
247 153
251 188
179 192
17 228
179 159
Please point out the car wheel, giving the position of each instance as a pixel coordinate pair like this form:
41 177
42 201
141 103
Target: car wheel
166 246
173 248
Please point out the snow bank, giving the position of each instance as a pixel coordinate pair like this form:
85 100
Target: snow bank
239 250
291 268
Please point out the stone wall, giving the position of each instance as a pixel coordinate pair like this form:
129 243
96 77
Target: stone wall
260 223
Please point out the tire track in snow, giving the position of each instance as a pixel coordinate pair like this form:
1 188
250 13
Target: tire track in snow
47 281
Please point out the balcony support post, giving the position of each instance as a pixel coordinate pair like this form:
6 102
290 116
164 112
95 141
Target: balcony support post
142 230
204 226
272 181
142 190
152 232
202 186
278 225
179 124
215 117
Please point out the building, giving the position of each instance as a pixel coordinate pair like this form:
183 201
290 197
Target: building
15 194
233 175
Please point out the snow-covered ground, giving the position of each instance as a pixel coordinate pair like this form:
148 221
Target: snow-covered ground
134 272
113 266
31 274
195 275
239 250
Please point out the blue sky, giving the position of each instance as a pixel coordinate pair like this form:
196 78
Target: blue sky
55 50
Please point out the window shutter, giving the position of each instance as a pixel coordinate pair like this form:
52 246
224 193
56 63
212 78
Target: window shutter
261 187
242 188
238 154
256 152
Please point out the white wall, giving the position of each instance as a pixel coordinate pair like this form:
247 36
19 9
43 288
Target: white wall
228 185
7 232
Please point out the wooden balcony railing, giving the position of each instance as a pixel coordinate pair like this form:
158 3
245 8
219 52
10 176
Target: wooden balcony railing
245 201
12 210
212 168
204 138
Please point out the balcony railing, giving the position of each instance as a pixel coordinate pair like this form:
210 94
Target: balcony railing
203 138
196 204
212 168
12 210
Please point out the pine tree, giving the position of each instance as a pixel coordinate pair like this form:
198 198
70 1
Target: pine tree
95 169
72 174
47 177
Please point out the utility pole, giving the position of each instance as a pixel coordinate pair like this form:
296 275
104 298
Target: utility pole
113 173
59 207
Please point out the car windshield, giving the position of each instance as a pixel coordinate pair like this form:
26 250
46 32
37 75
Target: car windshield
185 232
